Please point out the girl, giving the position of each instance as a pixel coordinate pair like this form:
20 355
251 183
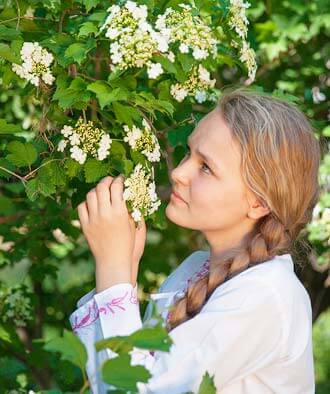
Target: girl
249 183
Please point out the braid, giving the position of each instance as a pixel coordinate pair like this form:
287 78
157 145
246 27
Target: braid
270 238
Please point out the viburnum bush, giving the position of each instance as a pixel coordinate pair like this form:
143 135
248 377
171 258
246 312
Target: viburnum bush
93 88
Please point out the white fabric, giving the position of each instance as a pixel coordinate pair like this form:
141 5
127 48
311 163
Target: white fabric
254 334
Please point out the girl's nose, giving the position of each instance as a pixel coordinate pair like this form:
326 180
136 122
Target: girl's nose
180 174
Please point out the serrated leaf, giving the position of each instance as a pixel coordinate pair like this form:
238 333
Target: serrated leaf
78 51
153 338
54 171
22 154
8 33
95 169
8 128
70 347
89 4
7 165
7 53
86 29
125 113
119 372
40 185
72 167
71 93
179 135
207 385
105 94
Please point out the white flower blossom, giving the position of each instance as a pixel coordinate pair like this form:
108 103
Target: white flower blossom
143 140
85 138
35 64
154 70
61 146
197 85
248 57
140 193
237 17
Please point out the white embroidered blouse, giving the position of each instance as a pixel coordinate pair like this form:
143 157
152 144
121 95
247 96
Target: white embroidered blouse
254 334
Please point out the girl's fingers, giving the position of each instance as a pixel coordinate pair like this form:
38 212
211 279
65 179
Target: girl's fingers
116 190
103 194
91 200
83 214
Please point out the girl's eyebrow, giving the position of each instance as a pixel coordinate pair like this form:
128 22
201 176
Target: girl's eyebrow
204 156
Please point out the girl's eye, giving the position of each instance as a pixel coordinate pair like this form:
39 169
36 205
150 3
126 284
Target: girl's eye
203 165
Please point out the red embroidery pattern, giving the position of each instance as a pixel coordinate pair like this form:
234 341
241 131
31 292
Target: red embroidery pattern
94 312
203 270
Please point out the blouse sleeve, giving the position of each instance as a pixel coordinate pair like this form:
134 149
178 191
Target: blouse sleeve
237 331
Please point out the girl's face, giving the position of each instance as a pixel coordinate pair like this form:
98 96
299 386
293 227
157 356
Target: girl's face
215 197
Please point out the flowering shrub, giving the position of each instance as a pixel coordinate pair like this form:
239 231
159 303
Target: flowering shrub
176 47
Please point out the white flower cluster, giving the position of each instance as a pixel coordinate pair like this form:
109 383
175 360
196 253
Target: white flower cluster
85 139
140 193
239 22
35 64
15 307
188 31
143 140
134 41
237 17
248 57
196 85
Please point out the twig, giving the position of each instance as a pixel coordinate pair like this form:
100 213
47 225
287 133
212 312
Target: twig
13 173
18 16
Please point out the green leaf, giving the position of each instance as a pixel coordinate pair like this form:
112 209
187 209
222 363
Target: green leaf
72 94
54 171
72 167
89 4
7 128
186 61
78 51
70 347
40 185
86 29
207 385
7 53
8 33
179 135
95 169
119 372
22 154
153 338
105 94
7 165
125 113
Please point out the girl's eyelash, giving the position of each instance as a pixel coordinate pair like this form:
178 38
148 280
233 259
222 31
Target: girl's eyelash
204 164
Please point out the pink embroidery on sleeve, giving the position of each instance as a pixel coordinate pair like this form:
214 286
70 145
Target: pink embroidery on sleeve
94 311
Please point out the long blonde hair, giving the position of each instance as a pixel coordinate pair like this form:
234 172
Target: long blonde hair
280 157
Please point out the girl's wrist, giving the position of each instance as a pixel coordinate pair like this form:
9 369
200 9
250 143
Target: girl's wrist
106 277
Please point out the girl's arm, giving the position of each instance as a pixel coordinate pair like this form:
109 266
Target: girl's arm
238 331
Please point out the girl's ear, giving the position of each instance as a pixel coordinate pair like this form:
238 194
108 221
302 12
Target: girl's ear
258 208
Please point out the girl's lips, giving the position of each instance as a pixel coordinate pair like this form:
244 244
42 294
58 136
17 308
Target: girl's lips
177 197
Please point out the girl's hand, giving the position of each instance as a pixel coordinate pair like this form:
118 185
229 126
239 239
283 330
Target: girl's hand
110 232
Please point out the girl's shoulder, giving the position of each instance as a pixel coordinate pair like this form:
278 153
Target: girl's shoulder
192 266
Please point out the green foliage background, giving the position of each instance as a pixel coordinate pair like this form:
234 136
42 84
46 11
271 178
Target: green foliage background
291 39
